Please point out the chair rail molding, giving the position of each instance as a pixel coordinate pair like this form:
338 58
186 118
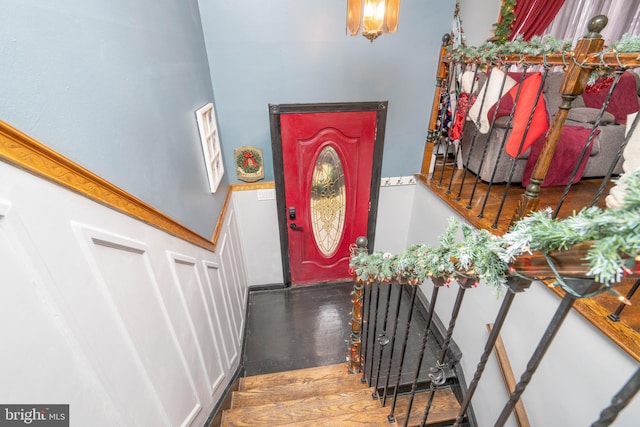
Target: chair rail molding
23 151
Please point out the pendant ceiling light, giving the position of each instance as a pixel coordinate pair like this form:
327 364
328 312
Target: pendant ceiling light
374 16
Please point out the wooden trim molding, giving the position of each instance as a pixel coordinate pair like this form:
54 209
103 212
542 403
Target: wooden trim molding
238 187
223 212
26 153
266 185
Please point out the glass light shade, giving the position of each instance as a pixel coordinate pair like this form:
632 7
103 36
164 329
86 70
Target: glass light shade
373 18
391 15
354 16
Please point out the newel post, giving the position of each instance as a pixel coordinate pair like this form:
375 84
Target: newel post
357 297
575 80
433 133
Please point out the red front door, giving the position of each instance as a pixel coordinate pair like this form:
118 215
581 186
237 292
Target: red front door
327 161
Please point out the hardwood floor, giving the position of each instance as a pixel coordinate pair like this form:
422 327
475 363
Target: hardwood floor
296 328
469 197
309 326
481 203
295 349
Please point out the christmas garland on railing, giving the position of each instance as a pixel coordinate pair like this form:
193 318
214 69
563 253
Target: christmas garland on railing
538 46
627 43
491 51
615 234
479 254
502 30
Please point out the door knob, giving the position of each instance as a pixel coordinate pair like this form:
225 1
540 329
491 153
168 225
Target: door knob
294 227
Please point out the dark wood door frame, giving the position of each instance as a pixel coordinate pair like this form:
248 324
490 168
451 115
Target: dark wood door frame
275 111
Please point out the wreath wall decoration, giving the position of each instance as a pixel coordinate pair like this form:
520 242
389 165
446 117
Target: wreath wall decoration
249 163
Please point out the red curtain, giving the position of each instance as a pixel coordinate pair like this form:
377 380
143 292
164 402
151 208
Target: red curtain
532 17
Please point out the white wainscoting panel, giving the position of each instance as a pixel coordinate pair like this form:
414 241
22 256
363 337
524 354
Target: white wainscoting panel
236 255
232 292
394 216
127 324
41 361
257 220
222 312
129 284
197 313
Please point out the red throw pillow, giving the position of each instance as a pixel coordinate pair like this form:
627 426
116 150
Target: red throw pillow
539 122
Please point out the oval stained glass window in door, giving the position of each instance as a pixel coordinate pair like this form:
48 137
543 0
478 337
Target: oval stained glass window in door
327 202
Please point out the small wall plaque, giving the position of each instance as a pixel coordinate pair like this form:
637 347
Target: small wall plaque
249 163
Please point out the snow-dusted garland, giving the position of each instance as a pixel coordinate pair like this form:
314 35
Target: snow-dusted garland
615 234
537 46
502 29
489 51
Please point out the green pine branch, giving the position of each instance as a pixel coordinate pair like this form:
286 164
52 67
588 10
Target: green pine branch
465 251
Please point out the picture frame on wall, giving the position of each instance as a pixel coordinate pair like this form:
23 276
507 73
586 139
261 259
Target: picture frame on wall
208 129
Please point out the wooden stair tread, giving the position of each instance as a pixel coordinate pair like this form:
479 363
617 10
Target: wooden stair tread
296 391
291 410
298 375
355 408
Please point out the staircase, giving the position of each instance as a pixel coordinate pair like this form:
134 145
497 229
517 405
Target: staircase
326 396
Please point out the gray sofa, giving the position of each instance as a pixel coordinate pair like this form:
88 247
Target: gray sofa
604 149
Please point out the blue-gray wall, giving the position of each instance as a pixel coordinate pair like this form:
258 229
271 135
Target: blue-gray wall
295 51
113 85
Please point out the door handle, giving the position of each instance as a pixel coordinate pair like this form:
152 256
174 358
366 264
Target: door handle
294 227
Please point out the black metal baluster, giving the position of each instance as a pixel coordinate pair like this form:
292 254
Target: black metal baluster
363 329
607 177
524 137
383 340
475 134
440 132
580 287
615 316
453 83
374 320
619 401
516 285
513 162
438 375
489 134
588 143
404 349
436 136
393 343
466 115
503 143
438 282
